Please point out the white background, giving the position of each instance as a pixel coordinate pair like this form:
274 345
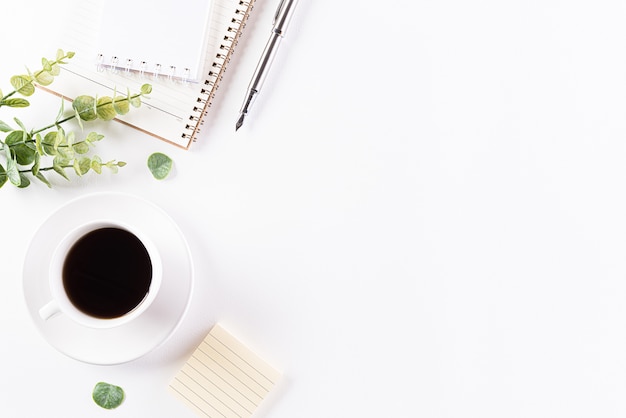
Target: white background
423 216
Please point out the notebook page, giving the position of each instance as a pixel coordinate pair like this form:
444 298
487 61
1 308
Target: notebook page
223 378
165 112
155 37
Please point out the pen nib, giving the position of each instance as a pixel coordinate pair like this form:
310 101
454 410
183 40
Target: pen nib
239 122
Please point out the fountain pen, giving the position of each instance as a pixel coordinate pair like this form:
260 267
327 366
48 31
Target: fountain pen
279 26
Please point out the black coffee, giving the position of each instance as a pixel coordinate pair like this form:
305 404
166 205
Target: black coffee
107 272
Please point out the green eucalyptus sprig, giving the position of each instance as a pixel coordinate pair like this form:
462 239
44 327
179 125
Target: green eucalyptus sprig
30 153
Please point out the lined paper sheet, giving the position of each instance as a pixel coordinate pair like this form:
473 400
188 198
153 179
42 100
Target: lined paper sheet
223 378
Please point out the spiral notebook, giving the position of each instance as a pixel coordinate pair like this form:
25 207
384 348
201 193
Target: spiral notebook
178 105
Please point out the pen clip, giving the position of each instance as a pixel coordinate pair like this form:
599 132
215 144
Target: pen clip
278 11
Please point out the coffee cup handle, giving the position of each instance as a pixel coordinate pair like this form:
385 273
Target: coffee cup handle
49 310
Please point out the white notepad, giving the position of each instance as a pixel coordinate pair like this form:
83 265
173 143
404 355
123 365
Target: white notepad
223 378
155 37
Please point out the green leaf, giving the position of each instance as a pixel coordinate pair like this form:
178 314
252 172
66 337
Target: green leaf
45 78
48 143
39 145
81 147
85 107
82 165
21 125
23 152
61 111
146 89
160 165
93 137
59 139
15 102
36 164
113 166
3 176
121 105
44 180
24 182
58 165
96 164
4 127
13 172
24 155
55 70
46 64
108 396
23 84
105 109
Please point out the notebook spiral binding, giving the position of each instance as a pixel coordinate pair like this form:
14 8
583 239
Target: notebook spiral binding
218 68
115 66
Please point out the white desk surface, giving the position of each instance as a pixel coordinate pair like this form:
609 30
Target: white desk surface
423 216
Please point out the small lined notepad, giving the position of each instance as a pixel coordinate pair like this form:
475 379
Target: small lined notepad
223 378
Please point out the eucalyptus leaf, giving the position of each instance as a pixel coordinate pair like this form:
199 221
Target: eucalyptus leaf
46 65
23 84
81 147
39 145
146 89
58 165
36 164
96 164
121 105
24 154
13 172
44 180
93 137
160 165
21 125
55 70
48 143
82 165
104 108
85 107
4 127
16 102
45 78
108 396
3 176
24 181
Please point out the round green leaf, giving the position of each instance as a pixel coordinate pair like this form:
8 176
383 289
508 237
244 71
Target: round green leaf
108 396
85 107
160 165
23 84
45 78
146 89
121 105
105 109
24 153
82 165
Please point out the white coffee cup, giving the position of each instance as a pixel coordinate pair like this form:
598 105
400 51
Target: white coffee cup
61 302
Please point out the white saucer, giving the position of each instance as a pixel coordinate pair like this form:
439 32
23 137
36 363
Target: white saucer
132 340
